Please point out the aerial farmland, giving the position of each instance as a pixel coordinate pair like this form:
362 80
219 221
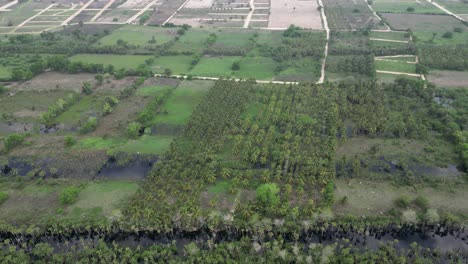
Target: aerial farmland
233 131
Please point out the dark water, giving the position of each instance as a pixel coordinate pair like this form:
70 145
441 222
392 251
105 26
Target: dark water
136 168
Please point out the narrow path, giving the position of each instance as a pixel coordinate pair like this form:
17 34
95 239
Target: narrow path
31 18
400 73
218 78
390 40
379 18
65 22
327 30
249 16
102 10
148 6
4 7
175 13
447 11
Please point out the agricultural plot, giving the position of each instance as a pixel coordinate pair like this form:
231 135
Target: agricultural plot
348 14
141 36
405 6
118 61
449 79
421 22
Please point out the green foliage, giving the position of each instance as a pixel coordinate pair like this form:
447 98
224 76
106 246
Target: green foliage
410 9
70 141
133 130
267 194
421 202
402 201
3 89
106 109
69 195
235 66
447 34
90 125
152 109
3 197
12 141
99 78
87 88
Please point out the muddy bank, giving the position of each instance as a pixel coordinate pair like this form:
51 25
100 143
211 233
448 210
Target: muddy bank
128 167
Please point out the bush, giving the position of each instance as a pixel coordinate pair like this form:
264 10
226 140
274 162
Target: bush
133 130
106 109
402 202
3 89
89 126
70 141
410 9
235 66
421 202
69 195
13 141
86 88
267 194
370 2
3 197
447 34
458 30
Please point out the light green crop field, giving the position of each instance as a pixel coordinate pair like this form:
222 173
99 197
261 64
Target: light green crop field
260 68
393 35
194 40
182 102
107 195
179 64
137 35
395 66
456 6
234 38
119 61
428 37
215 66
154 144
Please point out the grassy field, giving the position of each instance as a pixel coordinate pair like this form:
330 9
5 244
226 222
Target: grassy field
37 202
395 66
152 90
157 144
393 35
86 107
178 64
234 38
456 6
401 7
138 35
428 37
260 68
119 61
5 72
215 66
419 22
306 69
182 102
194 40
370 198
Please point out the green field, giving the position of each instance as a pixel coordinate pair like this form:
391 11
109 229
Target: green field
119 61
152 90
178 64
428 37
456 6
182 102
194 40
395 66
215 66
81 110
146 144
393 35
137 35
234 38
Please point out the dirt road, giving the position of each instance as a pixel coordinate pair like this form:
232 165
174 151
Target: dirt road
327 30
249 16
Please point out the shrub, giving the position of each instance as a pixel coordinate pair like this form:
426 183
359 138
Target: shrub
13 141
69 195
421 202
410 9
70 141
370 2
458 30
402 202
106 109
409 216
267 194
447 34
133 130
112 101
86 88
3 89
3 197
235 66
89 126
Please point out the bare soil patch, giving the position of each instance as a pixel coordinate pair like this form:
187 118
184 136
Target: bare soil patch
300 13
165 10
449 78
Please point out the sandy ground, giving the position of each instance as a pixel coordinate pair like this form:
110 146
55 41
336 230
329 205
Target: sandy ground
300 13
449 78
199 4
